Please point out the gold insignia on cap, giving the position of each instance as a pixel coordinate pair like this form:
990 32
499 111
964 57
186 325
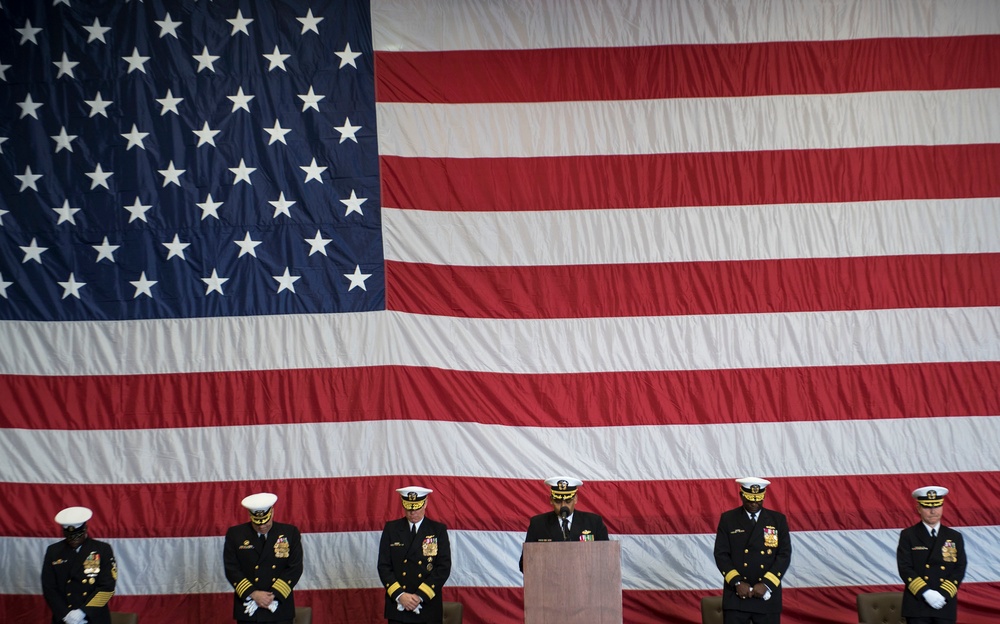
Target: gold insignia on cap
562 485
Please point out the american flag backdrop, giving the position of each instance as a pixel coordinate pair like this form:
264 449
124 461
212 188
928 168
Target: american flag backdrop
332 248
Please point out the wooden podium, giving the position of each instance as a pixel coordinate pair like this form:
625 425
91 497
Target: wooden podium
572 583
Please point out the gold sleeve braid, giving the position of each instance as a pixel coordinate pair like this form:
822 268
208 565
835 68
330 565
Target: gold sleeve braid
100 599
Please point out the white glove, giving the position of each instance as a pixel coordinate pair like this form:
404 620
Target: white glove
249 607
273 606
934 598
76 616
419 607
767 595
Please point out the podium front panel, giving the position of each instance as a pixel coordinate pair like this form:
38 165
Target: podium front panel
572 583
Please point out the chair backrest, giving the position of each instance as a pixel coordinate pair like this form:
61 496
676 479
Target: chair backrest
711 610
303 615
881 608
452 612
117 617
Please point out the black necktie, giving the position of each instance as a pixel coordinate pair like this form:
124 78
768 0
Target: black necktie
933 532
565 529
413 531
261 539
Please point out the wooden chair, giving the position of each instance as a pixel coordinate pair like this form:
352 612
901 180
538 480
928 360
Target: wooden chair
881 608
117 617
452 612
303 615
711 610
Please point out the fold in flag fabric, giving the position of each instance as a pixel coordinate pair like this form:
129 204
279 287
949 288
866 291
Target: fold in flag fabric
328 249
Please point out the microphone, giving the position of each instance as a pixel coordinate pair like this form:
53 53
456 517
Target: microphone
563 514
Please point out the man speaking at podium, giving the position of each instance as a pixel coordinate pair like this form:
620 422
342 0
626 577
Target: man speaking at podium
564 523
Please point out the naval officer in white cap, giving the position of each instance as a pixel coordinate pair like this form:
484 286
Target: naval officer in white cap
931 561
564 523
263 561
79 573
752 551
414 562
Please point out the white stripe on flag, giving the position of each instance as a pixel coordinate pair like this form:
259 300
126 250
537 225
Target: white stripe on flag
788 122
436 25
661 452
511 346
717 233
193 565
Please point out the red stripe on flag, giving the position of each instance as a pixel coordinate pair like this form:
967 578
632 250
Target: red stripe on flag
655 397
691 179
504 605
833 503
686 288
689 71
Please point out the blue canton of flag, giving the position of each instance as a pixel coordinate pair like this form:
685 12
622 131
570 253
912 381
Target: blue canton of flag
187 159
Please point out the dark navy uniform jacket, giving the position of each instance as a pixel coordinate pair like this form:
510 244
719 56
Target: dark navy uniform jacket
753 554
930 563
276 568
81 578
419 565
546 527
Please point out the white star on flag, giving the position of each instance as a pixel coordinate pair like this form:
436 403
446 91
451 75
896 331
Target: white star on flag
286 281
169 103
357 279
171 175
206 135
135 138
240 100
96 31
71 287
98 105
281 206
209 207
353 203
242 173
137 211
347 131
65 67
310 100
277 133
167 26
176 248
214 282
33 252
136 61
63 140
309 22
28 33
313 171
3 286
347 57
143 286
277 59
105 251
240 24
318 244
205 60
66 213
247 246
29 107
28 179
99 177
